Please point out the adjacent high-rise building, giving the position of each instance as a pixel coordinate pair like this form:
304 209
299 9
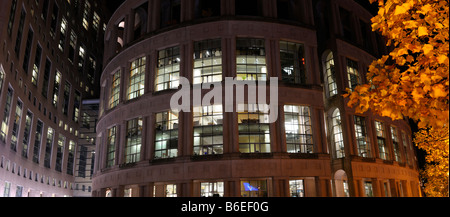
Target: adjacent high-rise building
50 61
316 147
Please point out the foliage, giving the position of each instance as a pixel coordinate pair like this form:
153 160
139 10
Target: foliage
436 143
412 80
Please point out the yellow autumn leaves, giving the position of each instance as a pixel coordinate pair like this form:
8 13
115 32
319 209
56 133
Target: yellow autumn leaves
413 79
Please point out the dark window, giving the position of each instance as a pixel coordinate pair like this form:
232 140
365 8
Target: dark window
249 7
289 10
19 33
207 8
170 12
346 23
26 58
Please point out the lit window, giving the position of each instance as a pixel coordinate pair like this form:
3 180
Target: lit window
254 188
171 190
211 189
87 9
115 90
70 159
296 188
5 122
56 86
37 63
26 134
292 57
133 141
254 130
16 125
331 75
96 21
297 122
353 74
208 130
251 59
381 140
362 139
111 147
59 152
394 134
338 139
168 70
207 61
137 79
48 147
62 36
368 190
166 138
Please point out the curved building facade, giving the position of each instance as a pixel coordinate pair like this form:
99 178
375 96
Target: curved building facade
317 147
49 63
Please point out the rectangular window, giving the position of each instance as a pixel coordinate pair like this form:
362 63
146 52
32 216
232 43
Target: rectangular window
91 69
54 20
26 134
208 130
297 122
5 122
362 139
211 189
207 8
111 147
37 141
353 75
405 148
16 125
2 78
82 162
56 86
251 59
293 67
26 57
95 21
346 24
48 148
383 149
62 36
48 66
133 141
81 57
71 157
254 188
115 90
7 189
368 190
60 152
249 7
20 33
290 10
207 61
37 63
73 44
168 69
166 139
170 12
12 15
66 98
254 130
171 190
296 188
331 76
76 106
87 9
394 134
136 84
